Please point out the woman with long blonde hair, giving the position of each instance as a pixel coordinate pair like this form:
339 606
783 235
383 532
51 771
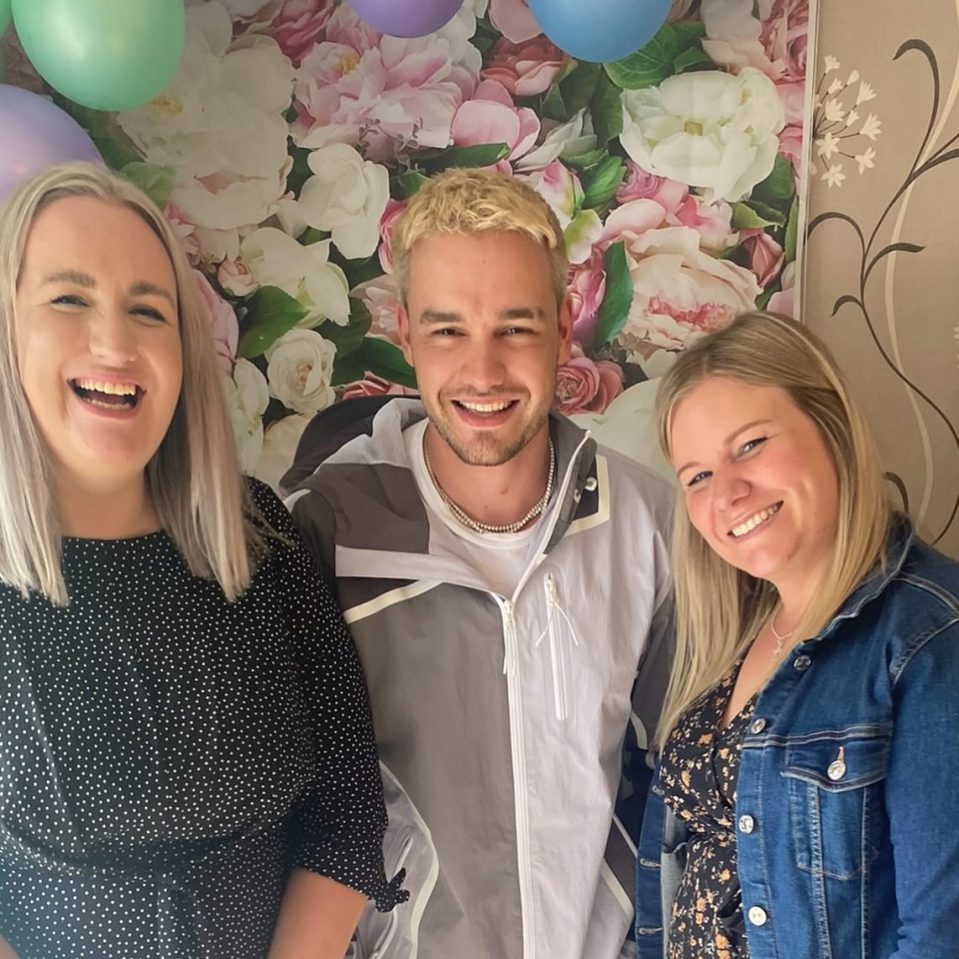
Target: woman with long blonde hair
187 763
809 739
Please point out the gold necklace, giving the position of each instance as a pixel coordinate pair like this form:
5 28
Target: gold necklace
474 524
779 637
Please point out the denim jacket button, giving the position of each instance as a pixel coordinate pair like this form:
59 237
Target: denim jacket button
802 663
747 824
836 770
757 915
758 726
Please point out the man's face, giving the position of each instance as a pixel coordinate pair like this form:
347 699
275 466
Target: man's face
485 334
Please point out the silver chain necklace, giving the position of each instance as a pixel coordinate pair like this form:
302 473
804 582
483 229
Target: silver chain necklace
475 524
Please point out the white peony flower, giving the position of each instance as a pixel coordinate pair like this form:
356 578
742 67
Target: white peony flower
299 370
247 396
304 272
279 448
347 197
706 129
220 125
567 141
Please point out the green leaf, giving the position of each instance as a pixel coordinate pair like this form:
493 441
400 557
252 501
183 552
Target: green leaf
606 108
580 86
554 106
584 161
408 183
656 61
300 171
780 186
156 181
792 231
480 155
348 338
745 217
618 298
600 183
383 358
271 313
347 369
312 235
695 58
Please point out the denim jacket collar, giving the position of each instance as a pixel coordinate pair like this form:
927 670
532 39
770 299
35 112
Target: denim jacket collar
898 541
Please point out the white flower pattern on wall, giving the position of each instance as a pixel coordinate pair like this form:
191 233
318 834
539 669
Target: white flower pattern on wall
839 125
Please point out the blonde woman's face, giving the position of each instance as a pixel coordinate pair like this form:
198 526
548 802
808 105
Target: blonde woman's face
98 340
758 480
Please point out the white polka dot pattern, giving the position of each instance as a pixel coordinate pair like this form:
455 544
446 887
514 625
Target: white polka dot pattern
167 756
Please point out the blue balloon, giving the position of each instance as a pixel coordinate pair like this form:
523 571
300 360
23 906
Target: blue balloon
600 30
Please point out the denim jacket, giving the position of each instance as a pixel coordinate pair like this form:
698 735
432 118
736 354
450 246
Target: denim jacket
847 806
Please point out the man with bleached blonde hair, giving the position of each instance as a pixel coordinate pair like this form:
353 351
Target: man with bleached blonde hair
507 586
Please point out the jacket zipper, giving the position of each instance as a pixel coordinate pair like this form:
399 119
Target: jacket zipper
520 791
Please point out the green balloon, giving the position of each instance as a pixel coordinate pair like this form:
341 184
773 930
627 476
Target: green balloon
4 16
105 54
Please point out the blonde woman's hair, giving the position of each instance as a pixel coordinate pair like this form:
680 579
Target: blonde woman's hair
474 201
193 478
720 609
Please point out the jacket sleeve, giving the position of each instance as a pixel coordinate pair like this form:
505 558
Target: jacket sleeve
922 798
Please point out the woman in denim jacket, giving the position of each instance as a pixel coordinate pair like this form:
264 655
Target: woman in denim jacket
807 796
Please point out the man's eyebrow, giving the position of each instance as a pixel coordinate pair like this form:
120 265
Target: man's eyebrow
439 317
522 313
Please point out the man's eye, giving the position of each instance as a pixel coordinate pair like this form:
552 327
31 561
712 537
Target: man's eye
446 331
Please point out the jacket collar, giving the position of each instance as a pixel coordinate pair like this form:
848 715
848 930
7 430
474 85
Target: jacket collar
898 542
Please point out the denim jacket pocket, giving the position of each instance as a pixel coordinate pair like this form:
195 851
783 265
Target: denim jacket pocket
835 796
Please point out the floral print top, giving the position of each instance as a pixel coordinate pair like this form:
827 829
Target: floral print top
700 765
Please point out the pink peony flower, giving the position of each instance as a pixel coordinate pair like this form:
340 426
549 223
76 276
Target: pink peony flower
765 255
785 300
298 24
384 93
712 221
587 287
372 385
491 117
525 69
514 20
185 230
784 36
235 277
560 188
640 185
387 224
791 147
223 324
586 386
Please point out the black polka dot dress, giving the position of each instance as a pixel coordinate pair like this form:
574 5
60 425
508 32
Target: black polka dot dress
167 757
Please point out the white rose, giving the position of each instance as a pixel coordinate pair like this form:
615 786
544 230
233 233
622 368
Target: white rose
220 125
347 197
304 272
299 370
706 129
247 396
279 447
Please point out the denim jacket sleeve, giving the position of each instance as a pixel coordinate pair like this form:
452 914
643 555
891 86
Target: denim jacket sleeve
659 867
922 796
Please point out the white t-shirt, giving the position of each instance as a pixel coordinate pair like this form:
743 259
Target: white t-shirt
499 557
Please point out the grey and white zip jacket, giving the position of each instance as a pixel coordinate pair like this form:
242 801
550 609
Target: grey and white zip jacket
502 721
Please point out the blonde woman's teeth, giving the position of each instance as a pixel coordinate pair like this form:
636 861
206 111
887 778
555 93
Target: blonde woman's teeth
747 527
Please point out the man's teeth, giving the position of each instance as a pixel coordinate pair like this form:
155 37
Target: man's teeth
754 521
114 389
486 407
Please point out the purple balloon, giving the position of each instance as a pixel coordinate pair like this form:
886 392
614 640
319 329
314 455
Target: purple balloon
36 134
406 18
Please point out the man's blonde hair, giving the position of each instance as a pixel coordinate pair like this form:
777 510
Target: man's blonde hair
193 478
474 201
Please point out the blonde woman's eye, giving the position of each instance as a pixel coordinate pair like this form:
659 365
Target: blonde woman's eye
697 479
750 445
69 299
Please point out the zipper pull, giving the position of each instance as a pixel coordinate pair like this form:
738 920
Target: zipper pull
510 657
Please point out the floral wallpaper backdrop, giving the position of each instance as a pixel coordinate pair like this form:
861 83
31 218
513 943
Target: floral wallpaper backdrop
293 135
881 282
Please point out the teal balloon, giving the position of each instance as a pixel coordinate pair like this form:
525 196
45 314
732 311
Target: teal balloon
4 16
104 54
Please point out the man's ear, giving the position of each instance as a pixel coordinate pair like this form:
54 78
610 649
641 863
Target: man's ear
565 330
403 331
